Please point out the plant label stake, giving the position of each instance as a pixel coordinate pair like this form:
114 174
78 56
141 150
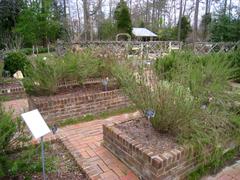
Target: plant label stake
150 114
105 83
38 128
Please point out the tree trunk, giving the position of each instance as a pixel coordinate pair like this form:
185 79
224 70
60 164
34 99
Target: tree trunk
184 8
225 7
230 8
195 28
147 11
180 21
175 13
65 8
79 20
110 9
87 24
153 14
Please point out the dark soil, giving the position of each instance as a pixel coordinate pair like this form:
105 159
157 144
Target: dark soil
142 131
66 167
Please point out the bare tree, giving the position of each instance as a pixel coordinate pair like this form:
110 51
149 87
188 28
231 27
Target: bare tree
65 8
180 21
195 27
87 13
79 19
225 7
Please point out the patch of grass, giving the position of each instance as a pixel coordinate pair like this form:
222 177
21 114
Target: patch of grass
103 115
30 161
214 166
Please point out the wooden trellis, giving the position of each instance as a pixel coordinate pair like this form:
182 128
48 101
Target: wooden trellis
209 47
136 49
153 49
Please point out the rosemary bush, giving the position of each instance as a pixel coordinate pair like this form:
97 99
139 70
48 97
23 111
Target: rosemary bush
191 98
44 75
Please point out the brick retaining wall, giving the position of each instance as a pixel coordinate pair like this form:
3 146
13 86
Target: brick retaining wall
173 164
12 90
76 104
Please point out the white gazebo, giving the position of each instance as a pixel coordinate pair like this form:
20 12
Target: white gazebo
143 34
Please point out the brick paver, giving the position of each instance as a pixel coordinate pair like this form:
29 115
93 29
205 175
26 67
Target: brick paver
84 142
228 173
16 107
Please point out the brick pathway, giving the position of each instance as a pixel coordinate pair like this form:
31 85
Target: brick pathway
84 142
17 107
228 173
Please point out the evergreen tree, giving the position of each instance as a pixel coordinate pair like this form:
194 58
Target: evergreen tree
37 24
107 30
185 28
123 18
225 29
205 25
9 11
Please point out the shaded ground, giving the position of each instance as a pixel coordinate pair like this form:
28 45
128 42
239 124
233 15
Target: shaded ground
66 167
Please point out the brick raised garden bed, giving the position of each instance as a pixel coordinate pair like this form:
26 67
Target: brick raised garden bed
12 90
78 101
169 162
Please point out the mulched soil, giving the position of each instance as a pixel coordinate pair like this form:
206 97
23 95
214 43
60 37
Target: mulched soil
66 169
142 131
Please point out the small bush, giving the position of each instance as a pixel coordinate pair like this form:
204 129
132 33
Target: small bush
14 159
44 75
191 102
41 78
29 51
15 61
165 65
26 51
1 71
234 59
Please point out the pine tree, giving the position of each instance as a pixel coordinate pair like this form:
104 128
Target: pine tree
185 28
123 18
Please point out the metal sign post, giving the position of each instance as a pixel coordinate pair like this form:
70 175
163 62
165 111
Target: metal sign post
38 128
43 159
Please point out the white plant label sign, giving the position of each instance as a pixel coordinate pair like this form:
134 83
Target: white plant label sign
36 123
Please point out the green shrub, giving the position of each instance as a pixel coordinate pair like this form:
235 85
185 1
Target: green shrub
206 75
234 59
1 71
14 159
165 65
44 75
15 61
41 78
191 102
28 51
